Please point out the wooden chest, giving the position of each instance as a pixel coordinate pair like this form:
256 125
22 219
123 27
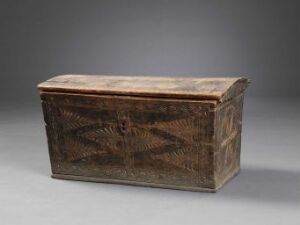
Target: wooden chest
179 133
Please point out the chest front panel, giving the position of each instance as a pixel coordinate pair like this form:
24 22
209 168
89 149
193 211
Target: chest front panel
151 140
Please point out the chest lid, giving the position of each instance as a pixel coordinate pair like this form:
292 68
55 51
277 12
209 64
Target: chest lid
209 88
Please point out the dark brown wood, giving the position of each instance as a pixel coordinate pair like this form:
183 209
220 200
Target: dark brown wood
159 139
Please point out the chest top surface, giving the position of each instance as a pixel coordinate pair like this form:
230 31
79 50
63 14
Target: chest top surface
209 88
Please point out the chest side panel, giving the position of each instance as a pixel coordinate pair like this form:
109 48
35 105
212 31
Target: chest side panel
228 139
138 139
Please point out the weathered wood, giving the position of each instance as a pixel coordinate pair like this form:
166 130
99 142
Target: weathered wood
182 135
219 89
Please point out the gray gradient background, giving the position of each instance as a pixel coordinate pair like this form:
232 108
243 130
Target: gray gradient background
257 39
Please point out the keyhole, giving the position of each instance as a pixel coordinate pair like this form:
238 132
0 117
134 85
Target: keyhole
123 126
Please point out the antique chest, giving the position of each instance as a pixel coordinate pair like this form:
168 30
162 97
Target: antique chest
169 132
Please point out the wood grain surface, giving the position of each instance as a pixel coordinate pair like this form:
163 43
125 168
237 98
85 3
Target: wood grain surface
188 144
178 87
